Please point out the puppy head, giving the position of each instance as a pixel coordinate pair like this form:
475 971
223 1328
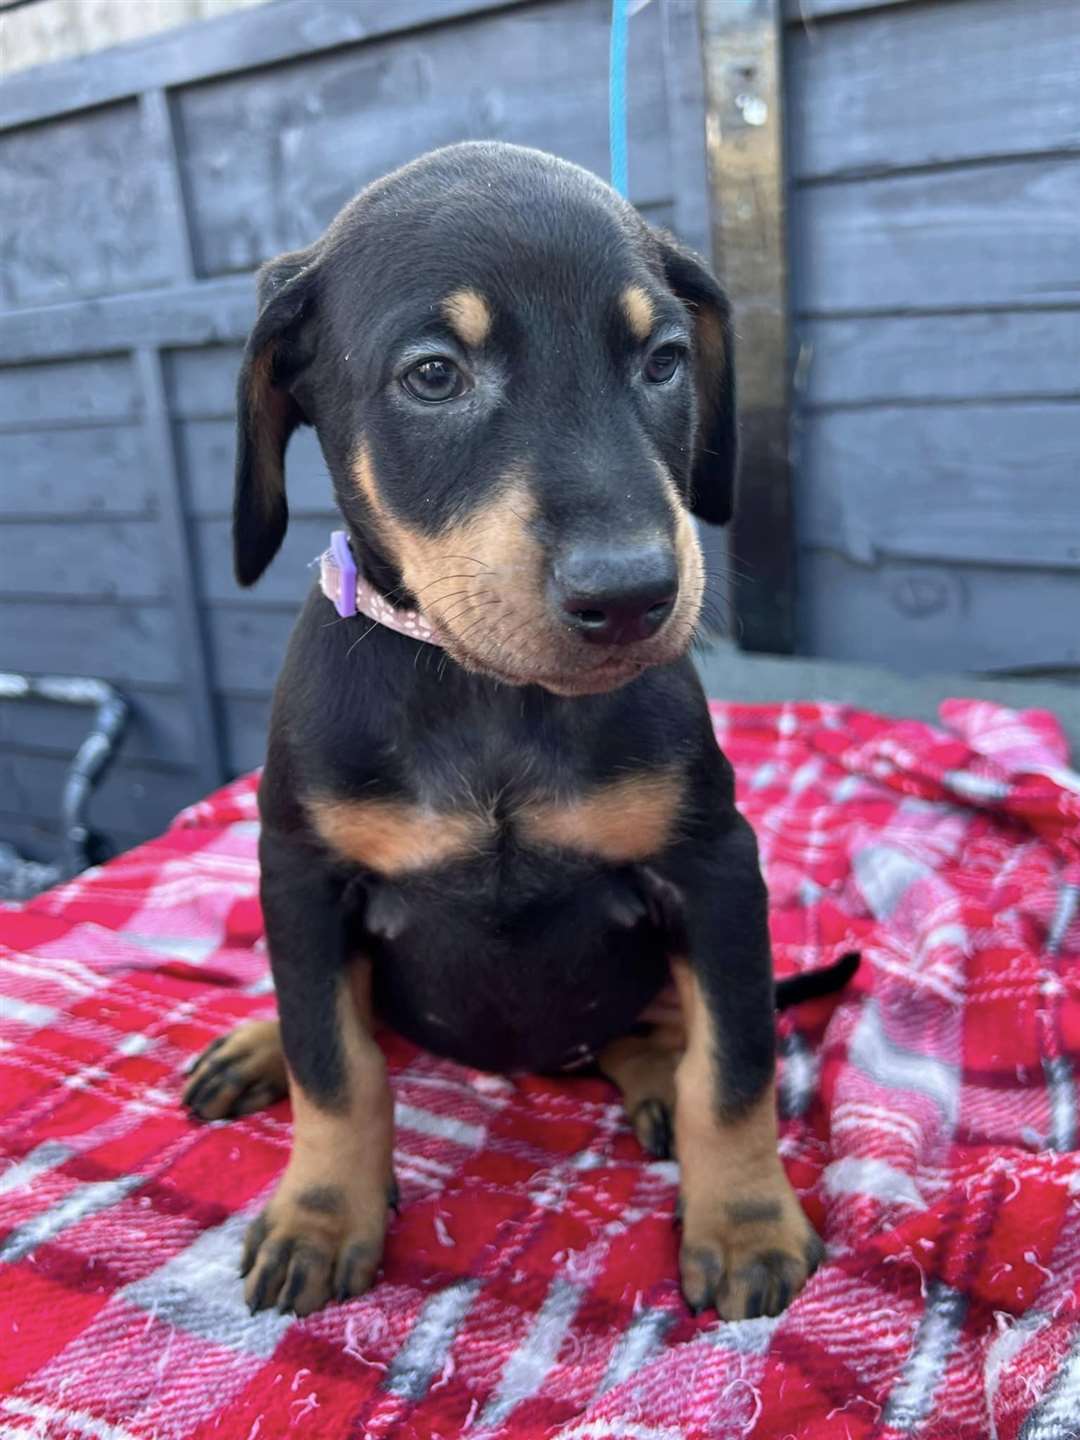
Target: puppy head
522 393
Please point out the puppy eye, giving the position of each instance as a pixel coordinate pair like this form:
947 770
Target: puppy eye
434 380
662 364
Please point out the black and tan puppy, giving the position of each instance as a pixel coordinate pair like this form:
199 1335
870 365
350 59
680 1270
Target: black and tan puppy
522 394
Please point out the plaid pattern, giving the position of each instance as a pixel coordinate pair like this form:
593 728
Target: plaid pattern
529 1288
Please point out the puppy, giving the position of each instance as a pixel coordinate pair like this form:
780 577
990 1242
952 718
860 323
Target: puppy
484 797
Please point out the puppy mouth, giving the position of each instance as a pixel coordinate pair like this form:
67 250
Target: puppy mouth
597 677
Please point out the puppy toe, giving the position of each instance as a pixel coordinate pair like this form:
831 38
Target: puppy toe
237 1073
654 1129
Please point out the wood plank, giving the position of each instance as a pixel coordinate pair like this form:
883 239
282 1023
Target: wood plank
79 209
805 12
87 389
75 474
961 483
248 646
877 359
746 152
246 721
933 83
161 159
202 314
134 798
1004 235
175 558
269 158
915 618
200 381
119 561
128 644
684 71
290 575
239 41
158 730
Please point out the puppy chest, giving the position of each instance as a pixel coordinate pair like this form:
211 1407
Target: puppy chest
476 973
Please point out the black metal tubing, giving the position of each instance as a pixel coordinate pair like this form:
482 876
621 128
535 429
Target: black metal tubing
90 761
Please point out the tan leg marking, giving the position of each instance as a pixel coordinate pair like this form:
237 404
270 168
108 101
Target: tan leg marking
643 1067
638 310
747 1248
469 315
238 1073
321 1236
393 837
633 818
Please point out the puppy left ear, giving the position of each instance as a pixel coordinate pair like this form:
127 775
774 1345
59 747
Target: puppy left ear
267 412
712 479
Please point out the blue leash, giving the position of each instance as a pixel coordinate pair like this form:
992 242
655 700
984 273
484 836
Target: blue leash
617 94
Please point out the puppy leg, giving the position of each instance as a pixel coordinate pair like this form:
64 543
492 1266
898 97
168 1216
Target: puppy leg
643 1067
747 1248
322 1233
238 1073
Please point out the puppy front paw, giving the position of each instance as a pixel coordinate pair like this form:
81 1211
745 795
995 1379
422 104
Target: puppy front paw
238 1073
313 1244
747 1255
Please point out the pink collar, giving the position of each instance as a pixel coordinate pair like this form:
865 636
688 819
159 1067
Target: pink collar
350 594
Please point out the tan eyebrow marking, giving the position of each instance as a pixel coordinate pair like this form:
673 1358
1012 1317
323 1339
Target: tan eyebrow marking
638 309
470 316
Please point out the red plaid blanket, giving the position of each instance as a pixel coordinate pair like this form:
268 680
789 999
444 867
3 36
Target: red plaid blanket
930 1125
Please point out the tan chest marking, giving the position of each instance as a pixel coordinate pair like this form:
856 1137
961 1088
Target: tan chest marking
395 837
630 819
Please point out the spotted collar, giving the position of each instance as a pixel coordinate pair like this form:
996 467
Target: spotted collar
351 594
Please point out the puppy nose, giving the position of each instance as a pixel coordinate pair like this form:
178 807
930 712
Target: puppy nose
616 596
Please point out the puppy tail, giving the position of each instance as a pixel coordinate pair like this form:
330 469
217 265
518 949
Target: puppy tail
812 984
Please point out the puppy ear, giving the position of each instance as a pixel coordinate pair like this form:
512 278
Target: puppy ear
267 412
712 480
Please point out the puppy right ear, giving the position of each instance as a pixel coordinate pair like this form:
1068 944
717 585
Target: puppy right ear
267 411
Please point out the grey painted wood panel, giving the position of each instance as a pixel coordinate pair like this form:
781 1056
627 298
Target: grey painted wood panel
71 474
128 644
938 357
201 383
173 549
158 729
805 12
1006 234
210 312
247 643
94 388
246 720
111 560
270 157
79 218
954 483
922 85
130 798
919 617
235 42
